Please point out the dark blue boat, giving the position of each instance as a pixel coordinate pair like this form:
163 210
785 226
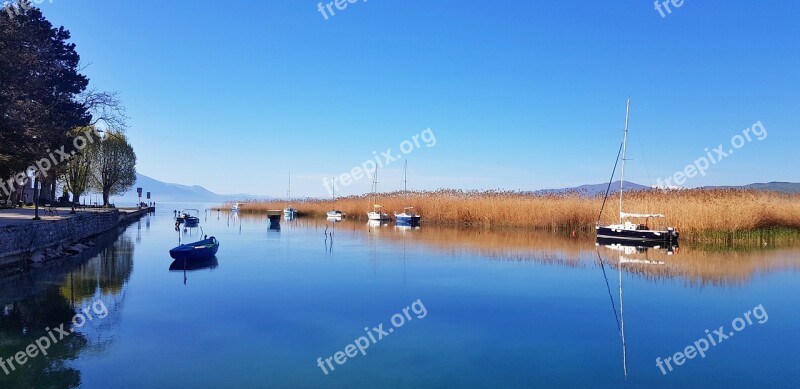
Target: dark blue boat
408 219
407 216
203 249
191 217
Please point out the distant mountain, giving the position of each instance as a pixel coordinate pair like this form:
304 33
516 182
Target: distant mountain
774 186
595 189
168 192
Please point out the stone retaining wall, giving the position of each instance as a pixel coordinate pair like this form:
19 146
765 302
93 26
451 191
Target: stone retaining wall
27 238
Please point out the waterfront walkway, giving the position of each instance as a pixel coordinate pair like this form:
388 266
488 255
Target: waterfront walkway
23 216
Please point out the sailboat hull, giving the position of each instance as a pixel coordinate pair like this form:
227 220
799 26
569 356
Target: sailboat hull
636 235
380 216
411 219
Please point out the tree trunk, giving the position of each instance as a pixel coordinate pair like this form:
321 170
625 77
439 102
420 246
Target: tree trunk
35 198
53 197
105 198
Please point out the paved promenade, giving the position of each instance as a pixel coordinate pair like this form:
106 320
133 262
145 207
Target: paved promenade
22 216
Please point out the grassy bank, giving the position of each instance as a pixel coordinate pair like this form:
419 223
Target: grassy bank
717 214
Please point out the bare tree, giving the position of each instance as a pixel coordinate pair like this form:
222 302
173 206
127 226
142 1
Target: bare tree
106 109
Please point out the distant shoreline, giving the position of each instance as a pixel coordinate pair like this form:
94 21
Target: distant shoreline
699 214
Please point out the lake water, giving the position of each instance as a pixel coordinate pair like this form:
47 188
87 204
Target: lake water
470 307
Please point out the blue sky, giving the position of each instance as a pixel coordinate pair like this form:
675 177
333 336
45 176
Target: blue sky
519 94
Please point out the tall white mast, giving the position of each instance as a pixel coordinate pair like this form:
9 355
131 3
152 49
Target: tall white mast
624 149
405 177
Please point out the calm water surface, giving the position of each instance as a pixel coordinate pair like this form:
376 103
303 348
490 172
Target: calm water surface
495 309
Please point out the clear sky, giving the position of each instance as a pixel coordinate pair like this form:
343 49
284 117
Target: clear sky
519 94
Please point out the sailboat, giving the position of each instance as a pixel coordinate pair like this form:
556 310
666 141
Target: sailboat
625 230
335 214
376 213
289 213
407 217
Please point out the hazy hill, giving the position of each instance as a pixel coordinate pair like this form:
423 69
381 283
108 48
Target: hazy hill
169 192
595 189
774 186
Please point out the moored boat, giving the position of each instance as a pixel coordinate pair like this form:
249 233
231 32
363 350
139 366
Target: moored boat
274 215
289 212
201 249
626 230
376 213
407 216
191 217
335 214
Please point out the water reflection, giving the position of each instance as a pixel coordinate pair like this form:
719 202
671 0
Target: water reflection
621 256
185 266
697 265
406 226
44 298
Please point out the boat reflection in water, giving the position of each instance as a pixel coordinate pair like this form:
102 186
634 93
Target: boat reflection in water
406 226
631 247
377 223
194 265
625 255
274 225
190 265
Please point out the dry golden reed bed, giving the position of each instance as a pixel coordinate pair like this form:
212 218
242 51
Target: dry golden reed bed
725 210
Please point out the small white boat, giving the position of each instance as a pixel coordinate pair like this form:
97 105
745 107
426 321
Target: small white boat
335 214
289 212
235 207
377 214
